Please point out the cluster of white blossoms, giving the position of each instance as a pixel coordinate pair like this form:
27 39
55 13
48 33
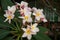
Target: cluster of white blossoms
26 15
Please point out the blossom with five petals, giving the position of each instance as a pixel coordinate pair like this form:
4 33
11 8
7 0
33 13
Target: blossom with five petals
10 13
38 13
31 30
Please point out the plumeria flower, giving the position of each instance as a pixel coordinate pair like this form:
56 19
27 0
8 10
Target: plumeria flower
26 18
31 30
38 13
9 13
8 17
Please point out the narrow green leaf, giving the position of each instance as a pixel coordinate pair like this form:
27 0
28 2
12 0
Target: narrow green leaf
3 33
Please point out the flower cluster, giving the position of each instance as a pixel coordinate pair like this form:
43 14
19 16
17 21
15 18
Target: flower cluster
26 14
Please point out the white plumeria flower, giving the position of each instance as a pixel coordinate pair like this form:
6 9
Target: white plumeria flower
10 13
8 17
27 33
31 30
38 13
26 18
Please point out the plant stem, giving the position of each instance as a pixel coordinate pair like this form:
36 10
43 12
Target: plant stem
21 38
17 26
14 28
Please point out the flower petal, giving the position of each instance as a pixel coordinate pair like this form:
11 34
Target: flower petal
44 20
37 29
35 24
34 14
23 29
34 33
9 7
29 37
21 17
24 35
24 22
9 21
5 20
30 19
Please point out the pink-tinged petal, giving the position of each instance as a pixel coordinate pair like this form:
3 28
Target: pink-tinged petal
44 20
22 7
41 19
24 35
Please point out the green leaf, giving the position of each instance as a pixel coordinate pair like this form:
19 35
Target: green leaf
41 36
3 33
42 29
6 3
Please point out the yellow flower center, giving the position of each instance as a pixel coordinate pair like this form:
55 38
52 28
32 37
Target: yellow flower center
28 31
9 17
37 14
26 17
